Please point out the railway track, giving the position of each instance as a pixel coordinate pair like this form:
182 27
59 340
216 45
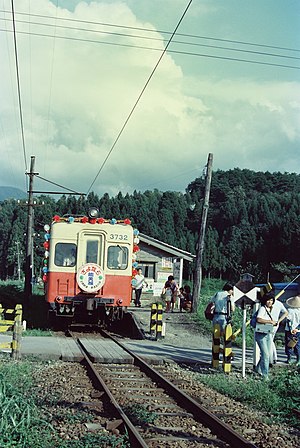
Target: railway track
154 411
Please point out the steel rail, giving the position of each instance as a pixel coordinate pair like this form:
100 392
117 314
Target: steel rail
202 415
134 436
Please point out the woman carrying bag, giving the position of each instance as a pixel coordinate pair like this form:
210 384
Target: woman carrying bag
264 334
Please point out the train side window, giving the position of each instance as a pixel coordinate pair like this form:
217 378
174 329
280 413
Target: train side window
65 254
92 250
117 257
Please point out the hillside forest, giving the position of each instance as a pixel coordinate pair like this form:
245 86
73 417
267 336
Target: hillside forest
253 223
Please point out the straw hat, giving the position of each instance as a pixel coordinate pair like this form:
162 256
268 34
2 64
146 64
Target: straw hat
294 302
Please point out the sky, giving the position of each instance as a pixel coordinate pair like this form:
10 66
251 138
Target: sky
103 107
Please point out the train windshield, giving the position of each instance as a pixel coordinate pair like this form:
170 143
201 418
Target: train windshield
117 257
92 251
65 254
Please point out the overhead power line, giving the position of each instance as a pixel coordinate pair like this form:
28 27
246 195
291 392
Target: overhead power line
58 185
187 53
18 84
151 30
181 42
140 96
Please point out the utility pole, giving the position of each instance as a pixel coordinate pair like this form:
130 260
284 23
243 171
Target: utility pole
18 259
29 238
201 236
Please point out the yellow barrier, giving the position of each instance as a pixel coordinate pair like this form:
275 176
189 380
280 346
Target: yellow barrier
153 319
216 345
227 352
226 349
17 327
159 321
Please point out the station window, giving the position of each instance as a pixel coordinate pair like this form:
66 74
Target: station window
117 257
148 269
65 254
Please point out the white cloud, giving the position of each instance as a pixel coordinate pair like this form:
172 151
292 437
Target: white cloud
77 95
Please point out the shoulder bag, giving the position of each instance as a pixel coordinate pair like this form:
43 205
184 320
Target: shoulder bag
264 328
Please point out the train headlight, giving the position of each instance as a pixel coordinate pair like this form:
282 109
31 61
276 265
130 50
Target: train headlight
119 302
93 213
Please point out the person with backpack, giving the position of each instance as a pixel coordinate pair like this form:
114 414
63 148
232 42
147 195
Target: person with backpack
223 306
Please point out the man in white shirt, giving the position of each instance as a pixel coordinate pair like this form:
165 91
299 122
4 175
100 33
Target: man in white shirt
278 313
140 280
292 329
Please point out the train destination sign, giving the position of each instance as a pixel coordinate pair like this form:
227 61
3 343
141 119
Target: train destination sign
90 277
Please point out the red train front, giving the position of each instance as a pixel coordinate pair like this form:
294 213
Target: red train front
88 267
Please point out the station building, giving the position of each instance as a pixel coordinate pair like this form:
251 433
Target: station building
158 260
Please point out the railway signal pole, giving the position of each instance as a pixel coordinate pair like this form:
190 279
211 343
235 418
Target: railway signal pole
201 237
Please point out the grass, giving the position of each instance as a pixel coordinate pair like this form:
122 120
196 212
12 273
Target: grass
25 418
139 415
277 397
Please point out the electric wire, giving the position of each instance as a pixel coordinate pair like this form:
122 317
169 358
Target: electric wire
50 93
188 43
140 96
3 127
170 51
150 30
18 85
187 53
58 185
178 174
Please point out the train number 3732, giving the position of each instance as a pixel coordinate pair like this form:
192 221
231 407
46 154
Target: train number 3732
118 237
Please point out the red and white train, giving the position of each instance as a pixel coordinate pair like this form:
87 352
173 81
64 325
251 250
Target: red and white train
89 267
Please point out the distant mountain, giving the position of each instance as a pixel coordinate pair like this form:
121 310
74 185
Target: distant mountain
11 193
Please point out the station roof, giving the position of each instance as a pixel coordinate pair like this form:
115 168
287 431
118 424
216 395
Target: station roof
174 251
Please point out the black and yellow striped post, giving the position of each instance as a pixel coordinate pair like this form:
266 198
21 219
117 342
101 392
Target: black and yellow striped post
153 319
17 336
216 346
159 321
227 350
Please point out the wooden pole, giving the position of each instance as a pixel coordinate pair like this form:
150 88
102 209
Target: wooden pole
29 241
201 237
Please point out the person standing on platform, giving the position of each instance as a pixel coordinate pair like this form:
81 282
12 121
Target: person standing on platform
140 281
175 291
167 295
292 330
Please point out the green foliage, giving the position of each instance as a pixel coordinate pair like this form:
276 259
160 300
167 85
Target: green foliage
93 440
248 212
277 397
11 293
139 415
19 414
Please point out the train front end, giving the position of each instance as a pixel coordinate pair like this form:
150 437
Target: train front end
88 268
